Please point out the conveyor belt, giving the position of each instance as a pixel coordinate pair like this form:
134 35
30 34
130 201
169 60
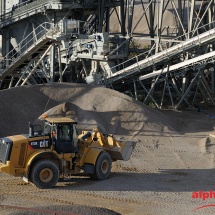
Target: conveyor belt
175 50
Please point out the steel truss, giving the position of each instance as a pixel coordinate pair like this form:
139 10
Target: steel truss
191 81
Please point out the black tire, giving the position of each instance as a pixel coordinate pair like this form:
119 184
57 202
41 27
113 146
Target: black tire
102 167
45 174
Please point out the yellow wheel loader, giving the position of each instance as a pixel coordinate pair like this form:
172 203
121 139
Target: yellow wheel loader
43 157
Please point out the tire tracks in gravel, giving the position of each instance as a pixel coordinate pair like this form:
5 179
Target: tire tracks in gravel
112 200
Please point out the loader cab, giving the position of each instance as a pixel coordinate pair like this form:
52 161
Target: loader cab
63 134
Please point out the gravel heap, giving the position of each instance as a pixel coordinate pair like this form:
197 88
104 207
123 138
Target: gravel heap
110 111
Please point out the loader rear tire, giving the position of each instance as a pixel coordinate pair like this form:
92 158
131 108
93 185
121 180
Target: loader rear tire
102 167
45 174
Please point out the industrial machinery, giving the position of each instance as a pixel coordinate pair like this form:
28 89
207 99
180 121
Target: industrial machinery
160 52
58 152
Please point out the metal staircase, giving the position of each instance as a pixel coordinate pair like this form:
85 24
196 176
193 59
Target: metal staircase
33 45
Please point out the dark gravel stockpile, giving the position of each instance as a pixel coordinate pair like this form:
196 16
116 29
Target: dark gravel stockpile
106 109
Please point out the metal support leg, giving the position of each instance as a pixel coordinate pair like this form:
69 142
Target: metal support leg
188 89
59 62
35 67
20 79
135 89
11 82
149 94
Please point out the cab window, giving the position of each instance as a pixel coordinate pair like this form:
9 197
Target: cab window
65 133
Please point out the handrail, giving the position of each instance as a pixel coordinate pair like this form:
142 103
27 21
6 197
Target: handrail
31 5
15 6
8 10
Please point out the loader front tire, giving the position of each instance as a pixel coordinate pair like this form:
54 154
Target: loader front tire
103 167
45 174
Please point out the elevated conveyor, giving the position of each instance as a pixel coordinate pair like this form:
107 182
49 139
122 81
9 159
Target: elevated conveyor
194 62
163 56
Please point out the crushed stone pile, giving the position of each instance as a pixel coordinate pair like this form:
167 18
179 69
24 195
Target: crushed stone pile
110 111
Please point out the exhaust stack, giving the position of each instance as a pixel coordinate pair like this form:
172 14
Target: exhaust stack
31 130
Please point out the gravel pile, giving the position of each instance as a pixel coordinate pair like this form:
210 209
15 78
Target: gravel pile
110 111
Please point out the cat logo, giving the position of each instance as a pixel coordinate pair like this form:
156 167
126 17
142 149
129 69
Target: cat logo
44 143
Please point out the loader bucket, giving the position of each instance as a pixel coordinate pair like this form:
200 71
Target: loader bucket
123 152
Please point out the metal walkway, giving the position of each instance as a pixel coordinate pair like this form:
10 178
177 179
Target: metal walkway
32 7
